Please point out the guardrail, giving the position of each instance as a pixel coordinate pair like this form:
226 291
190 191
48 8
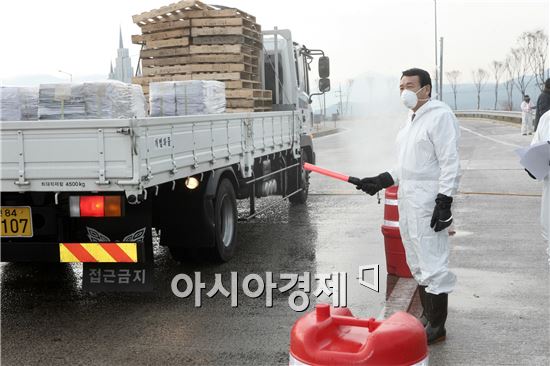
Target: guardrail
508 116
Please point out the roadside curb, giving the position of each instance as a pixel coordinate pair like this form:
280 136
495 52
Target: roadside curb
400 298
327 132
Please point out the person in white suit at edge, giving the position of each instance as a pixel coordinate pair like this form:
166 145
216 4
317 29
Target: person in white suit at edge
543 134
527 109
428 174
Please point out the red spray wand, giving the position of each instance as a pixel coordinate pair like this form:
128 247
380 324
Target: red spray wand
330 173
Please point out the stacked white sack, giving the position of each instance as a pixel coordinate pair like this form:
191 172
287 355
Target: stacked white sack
114 99
29 103
18 103
139 105
10 108
61 101
93 100
181 98
107 99
200 97
162 99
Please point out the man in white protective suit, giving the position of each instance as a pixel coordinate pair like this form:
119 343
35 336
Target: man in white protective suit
527 109
428 173
543 134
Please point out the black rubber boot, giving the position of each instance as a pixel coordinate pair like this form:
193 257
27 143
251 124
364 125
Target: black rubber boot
422 294
436 313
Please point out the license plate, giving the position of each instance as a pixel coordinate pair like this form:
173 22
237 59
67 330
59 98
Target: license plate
16 222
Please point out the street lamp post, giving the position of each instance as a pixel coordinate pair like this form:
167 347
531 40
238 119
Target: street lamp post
67 73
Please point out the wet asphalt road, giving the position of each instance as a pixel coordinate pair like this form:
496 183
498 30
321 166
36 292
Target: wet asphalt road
48 319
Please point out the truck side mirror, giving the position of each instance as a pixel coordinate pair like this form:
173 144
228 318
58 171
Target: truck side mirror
324 67
324 85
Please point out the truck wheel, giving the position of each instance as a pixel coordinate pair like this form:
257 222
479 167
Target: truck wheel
303 181
225 219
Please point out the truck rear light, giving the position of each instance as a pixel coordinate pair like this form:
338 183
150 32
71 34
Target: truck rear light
74 206
113 206
95 206
92 206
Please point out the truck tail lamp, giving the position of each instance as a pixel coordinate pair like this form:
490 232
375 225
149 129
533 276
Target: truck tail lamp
95 206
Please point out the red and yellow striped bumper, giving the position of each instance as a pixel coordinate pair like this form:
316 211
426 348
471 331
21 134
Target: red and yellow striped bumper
98 252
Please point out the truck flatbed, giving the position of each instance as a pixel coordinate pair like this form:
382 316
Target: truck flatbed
133 154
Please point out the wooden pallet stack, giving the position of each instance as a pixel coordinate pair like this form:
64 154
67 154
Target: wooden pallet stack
190 40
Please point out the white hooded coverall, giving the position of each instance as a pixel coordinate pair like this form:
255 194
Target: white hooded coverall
526 117
543 134
428 164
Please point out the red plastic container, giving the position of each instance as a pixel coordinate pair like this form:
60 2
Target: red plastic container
332 336
396 262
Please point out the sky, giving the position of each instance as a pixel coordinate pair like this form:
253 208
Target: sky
359 36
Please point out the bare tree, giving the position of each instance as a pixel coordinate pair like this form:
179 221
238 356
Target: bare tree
497 67
480 77
509 67
537 45
520 60
453 76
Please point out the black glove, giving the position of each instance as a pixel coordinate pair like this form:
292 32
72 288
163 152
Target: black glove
442 216
372 185
531 175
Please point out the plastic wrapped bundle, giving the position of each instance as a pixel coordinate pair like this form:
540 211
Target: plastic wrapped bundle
139 106
10 108
114 99
162 99
200 97
181 98
61 101
92 100
28 97
107 99
18 103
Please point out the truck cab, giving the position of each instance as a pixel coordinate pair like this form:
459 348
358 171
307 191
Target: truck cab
289 63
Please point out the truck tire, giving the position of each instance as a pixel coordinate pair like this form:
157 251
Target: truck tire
225 219
195 234
303 181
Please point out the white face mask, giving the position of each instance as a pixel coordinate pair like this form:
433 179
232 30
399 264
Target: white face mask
410 98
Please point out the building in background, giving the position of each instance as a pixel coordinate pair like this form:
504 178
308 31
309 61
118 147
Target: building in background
123 70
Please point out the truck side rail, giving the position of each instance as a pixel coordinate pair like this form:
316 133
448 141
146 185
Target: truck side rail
132 154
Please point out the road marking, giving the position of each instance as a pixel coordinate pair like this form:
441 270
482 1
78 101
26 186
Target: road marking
488 138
